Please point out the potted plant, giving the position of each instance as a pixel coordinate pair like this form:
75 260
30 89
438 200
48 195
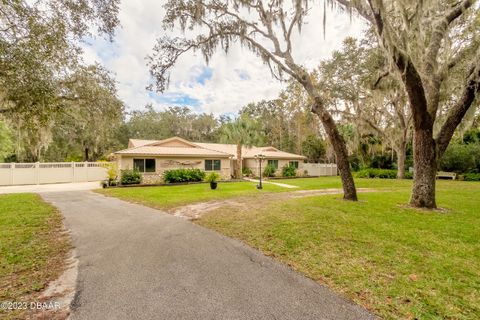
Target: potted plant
212 178
112 175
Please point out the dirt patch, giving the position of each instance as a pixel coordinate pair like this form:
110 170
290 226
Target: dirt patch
60 292
196 210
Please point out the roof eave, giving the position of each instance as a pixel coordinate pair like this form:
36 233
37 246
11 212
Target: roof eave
174 155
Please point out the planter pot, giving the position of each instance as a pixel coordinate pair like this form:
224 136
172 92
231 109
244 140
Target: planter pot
213 185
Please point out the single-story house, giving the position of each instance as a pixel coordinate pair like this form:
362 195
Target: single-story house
153 157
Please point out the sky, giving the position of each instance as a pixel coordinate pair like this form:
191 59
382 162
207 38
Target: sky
228 82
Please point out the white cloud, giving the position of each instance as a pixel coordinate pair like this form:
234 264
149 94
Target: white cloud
237 78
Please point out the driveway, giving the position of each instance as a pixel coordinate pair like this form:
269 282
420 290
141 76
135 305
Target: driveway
54 187
139 263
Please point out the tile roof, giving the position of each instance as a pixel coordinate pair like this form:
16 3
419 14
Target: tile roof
139 142
172 151
139 146
269 152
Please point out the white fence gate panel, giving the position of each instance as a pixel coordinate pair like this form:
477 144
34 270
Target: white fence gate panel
320 169
52 172
5 174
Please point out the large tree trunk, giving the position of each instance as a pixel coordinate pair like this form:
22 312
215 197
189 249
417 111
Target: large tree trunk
85 157
239 162
338 144
401 152
336 139
401 162
425 169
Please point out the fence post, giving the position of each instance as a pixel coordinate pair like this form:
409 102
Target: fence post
73 171
37 172
12 169
86 170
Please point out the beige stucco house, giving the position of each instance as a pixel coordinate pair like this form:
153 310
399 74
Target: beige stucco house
153 157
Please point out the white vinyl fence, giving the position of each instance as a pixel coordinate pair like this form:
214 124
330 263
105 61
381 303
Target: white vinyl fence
320 169
52 172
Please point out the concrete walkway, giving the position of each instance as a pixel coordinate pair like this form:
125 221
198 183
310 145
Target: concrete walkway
54 187
139 263
284 185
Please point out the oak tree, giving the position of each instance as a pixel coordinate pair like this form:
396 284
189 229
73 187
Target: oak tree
424 41
263 27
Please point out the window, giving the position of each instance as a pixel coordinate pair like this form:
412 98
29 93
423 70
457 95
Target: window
273 163
212 165
139 164
149 165
144 165
294 164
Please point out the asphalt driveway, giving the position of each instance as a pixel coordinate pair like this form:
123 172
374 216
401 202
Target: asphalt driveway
139 263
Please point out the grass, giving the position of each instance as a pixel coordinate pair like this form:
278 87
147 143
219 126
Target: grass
398 262
32 248
335 182
168 197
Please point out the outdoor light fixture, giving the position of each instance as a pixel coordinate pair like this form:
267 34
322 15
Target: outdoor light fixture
260 157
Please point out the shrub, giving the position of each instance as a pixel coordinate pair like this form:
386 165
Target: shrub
461 158
247 172
112 172
289 171
377 173
212 177
355 163
471 177
269 171
408 175
382 162
131 177
183 175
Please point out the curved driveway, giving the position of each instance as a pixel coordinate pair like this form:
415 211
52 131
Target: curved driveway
139 263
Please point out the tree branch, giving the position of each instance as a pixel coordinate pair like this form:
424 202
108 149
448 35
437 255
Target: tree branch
360 7
458 111
383 75
440 28
410 76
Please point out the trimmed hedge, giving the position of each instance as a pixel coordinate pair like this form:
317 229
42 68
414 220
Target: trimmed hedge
377 173
130 177
183 175
471 177
380 174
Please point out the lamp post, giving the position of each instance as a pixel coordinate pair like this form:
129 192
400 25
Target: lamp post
260 157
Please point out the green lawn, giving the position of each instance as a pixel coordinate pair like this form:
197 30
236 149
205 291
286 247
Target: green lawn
167 197
335 182
398 262
32 247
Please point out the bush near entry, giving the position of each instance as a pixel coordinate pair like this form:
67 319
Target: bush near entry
247 172
289 171
130 177
269 171
183 175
